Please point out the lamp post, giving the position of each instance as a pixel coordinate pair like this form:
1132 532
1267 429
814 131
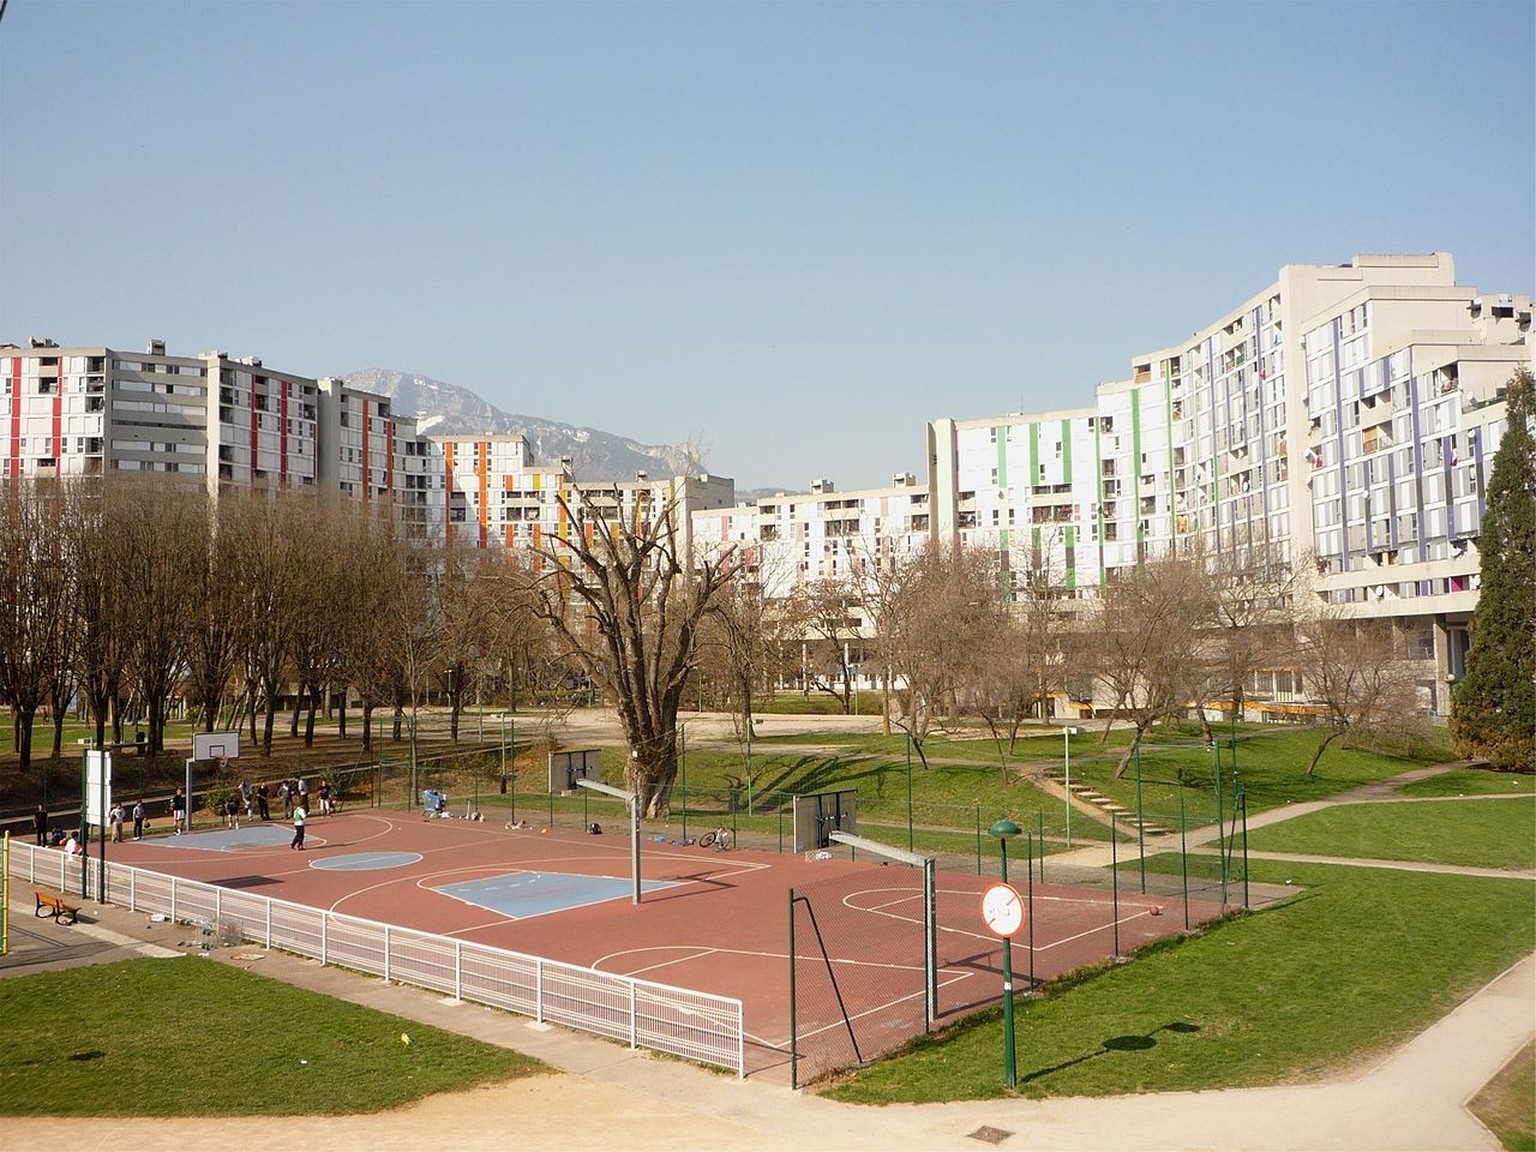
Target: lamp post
1004 830
1066 760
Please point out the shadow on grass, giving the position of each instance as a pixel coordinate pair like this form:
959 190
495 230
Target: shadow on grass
1114 1044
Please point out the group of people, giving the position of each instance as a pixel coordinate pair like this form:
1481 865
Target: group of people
294 794
117 816
252 802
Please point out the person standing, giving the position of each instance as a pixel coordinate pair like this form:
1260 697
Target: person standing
262 796
138 818
232 811
285 794
298 827
325 797
40 825
179 810
116 816
245 797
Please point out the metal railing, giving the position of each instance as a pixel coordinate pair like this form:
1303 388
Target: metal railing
697 1026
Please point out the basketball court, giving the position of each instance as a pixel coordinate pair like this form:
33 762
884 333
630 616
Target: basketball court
710 921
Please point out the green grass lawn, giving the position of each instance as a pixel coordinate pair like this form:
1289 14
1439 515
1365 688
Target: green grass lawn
1473 782
189 1037
1489 833
1359 962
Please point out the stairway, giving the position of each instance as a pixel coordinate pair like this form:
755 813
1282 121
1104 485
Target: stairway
1124 817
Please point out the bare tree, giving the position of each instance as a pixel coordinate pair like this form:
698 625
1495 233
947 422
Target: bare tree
159 548
829 614
215 615
627 604
267 557
746 637
319 586
1254 592
467 599
379 606
935 613
102 599
1352 670
36 610
1152 632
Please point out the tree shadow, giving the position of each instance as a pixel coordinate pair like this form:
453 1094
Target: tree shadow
1115 1044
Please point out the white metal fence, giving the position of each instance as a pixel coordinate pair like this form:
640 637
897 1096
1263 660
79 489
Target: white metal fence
697 1026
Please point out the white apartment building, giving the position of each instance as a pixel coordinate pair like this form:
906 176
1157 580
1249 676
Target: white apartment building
789 541
100 411
1342 419
96 411
787 544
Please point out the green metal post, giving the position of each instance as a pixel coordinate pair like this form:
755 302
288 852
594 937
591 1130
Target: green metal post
1184 859
1029 905
1041 815
1114 881
909 792
1010 1055
978 839
1003 829
1141 822
794 1065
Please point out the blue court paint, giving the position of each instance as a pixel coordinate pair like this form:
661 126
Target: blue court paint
366 861
521 895
229 839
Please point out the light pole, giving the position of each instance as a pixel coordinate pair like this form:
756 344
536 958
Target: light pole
1066 760
1004 830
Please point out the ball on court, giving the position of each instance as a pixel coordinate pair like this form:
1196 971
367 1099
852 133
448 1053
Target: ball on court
543 831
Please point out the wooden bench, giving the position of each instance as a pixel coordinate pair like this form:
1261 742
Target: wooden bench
51 905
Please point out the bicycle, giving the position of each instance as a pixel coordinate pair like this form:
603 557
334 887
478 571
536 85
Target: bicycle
720 839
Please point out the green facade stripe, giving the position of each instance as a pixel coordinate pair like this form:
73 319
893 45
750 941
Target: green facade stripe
1136 457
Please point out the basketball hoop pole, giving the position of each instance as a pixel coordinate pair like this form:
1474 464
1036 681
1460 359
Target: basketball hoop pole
634 823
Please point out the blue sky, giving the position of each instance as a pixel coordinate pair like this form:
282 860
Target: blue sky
793 233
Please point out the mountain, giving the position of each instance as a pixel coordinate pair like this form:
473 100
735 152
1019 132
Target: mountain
448 410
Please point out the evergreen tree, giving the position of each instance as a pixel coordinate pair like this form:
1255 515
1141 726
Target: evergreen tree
1494 714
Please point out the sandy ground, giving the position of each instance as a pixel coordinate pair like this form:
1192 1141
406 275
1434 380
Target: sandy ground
548 1112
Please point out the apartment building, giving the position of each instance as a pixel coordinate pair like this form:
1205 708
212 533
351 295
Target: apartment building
823 540
98 411
207 419
1337 424
497 495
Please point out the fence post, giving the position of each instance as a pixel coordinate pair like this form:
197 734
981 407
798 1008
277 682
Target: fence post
794 1054
634 1018
1114 879
458 969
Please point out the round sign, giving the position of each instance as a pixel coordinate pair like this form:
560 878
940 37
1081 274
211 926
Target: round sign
1002 909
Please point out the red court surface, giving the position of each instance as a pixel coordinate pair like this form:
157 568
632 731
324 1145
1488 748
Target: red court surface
722 928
